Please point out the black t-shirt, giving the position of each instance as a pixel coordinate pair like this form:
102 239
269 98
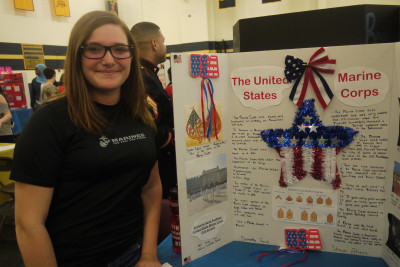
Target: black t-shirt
96 211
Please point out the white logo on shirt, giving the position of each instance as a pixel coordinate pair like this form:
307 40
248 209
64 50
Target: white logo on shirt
104 141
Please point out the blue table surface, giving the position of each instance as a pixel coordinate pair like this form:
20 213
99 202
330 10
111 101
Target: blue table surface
20 118
237 254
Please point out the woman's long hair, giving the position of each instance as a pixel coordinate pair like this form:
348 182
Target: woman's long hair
82 109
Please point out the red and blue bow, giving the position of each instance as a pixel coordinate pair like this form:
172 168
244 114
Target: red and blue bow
296 69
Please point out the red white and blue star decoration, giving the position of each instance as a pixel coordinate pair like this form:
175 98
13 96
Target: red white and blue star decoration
303 73
309 147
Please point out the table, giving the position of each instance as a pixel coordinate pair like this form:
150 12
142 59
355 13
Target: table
237 254
6 150
20 117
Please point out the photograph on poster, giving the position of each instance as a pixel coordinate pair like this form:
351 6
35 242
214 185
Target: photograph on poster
396 178
393 241
199 129
206 181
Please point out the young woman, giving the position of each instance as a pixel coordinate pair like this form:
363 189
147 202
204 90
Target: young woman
88 192
6 133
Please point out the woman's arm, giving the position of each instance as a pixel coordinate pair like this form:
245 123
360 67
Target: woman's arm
151 196
7 115
31 208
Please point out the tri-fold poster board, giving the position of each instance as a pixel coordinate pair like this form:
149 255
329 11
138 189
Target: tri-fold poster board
302 139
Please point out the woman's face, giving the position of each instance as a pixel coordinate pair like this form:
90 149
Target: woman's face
106 75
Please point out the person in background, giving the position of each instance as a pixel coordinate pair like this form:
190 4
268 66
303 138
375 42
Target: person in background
49 89
152 52
169 86
6 133
37 84
60 86
91 194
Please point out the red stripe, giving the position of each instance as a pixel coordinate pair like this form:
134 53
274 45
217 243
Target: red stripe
318 61
213 112
319 51
281 178
317 171
325 61
337 183
298 170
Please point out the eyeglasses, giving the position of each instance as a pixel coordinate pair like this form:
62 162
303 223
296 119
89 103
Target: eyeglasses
96 51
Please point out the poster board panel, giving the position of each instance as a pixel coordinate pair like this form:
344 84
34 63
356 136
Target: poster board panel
254 96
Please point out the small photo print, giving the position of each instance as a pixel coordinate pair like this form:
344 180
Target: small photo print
393 241
396 178
206 182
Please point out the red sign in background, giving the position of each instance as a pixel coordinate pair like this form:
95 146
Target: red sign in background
13 88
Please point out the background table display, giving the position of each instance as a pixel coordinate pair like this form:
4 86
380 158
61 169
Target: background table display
6 150
14 88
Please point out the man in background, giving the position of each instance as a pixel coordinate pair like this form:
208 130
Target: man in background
36 86
152 51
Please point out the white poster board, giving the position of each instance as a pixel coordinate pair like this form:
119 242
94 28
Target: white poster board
229 181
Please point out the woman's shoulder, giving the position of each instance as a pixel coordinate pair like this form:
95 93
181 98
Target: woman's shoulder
55 108
52 117
2 99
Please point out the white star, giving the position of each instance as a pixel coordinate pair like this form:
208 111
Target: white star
313 128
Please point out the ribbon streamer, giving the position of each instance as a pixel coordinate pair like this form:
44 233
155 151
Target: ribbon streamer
278 253
303 73
210 106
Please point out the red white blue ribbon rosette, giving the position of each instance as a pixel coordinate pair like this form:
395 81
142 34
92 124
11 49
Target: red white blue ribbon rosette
305 73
